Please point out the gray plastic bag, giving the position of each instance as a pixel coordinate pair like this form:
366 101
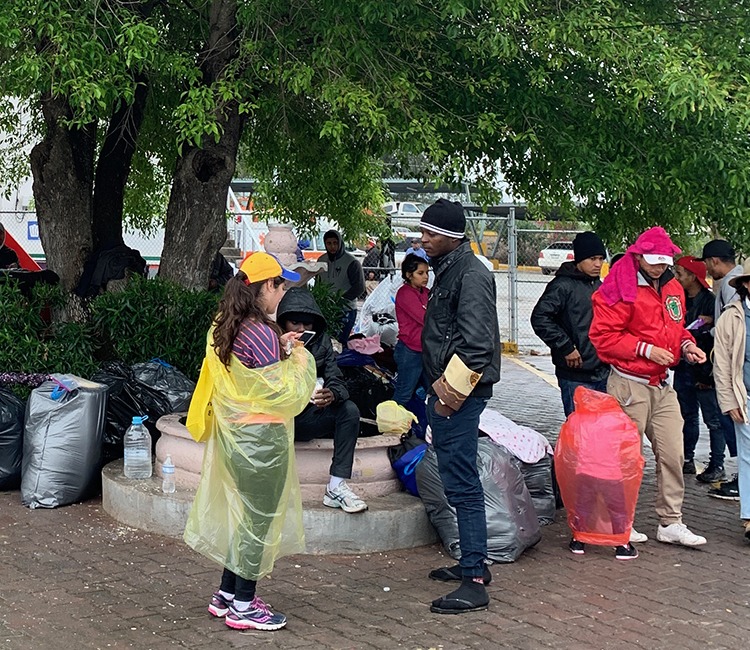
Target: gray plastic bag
62 441
512 524
538 478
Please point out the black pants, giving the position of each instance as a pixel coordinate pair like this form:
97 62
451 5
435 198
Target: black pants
339 421
243 590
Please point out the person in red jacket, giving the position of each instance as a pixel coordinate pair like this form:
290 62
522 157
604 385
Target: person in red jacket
411 305
638 328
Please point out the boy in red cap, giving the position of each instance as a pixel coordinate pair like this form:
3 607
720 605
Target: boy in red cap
638 328
695 384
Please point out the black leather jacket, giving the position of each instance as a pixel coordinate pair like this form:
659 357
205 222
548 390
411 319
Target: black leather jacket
562 319
461 319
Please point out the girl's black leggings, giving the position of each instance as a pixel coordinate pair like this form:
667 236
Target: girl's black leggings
243 590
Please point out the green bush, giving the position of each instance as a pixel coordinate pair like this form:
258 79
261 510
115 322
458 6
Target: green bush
155 318
31 343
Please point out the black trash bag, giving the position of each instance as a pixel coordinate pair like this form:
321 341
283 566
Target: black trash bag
407 442
538 478
512 524
126 399
62 441
368 386
165 379
11 439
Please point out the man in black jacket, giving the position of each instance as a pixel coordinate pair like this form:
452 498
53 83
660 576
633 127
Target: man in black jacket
330 413
461 361
562 318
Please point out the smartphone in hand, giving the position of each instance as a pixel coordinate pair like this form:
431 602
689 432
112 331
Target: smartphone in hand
306 337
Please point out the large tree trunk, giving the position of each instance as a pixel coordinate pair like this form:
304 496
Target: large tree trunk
63 168
196 215
113 168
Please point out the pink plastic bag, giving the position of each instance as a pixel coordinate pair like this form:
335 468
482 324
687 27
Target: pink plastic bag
599 467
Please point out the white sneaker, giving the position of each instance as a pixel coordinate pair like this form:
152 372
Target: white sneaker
679 534
636 537
343 497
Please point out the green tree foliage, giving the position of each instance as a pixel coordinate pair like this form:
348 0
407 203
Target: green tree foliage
637 110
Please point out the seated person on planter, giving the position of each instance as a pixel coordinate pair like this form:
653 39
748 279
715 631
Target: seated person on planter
330 414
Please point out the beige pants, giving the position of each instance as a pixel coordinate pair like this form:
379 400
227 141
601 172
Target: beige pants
656 412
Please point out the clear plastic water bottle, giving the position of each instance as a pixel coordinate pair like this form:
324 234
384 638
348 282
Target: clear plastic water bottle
167 473
319 383
137 443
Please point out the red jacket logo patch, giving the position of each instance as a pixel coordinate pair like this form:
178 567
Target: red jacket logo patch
674 308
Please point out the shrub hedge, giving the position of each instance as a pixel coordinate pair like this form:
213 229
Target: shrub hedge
147 319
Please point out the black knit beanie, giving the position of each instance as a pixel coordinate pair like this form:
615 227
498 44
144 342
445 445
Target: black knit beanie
587 244
445 218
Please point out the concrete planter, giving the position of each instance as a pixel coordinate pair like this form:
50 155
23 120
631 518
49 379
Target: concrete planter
395 519
372 475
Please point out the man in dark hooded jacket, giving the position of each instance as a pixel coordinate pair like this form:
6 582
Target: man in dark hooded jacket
330 413
345 274
562 318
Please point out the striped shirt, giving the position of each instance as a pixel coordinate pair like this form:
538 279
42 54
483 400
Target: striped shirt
256 345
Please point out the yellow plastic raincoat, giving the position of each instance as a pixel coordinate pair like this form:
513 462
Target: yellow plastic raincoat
248 509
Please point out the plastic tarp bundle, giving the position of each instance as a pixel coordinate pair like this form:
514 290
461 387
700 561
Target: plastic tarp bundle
512 524
532 453
176 387
538 479
599 467
247 511
62 441
11 439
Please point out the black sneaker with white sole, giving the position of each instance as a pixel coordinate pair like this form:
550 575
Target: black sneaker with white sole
576 547
728 490
627 552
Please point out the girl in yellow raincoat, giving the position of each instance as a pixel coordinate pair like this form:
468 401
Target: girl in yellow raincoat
248 509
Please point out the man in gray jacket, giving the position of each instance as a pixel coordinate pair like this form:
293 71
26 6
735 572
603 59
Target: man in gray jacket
345 274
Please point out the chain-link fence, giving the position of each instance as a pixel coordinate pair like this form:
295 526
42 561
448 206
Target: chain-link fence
524 259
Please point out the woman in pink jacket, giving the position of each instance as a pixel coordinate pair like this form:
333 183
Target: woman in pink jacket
411 304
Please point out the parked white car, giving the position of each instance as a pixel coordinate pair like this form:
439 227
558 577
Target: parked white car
408 209
552 257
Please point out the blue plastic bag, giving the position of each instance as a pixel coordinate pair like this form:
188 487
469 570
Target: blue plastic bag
405 466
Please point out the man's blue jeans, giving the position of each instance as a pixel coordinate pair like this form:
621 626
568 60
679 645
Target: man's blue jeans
455 441
691 398
568 387
409 375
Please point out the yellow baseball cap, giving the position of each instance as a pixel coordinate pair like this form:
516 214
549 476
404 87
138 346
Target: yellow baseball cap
264 266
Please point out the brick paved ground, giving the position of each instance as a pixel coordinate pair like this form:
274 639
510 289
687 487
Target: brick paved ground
74 578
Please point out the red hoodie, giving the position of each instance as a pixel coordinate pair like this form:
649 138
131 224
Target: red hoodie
624 333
